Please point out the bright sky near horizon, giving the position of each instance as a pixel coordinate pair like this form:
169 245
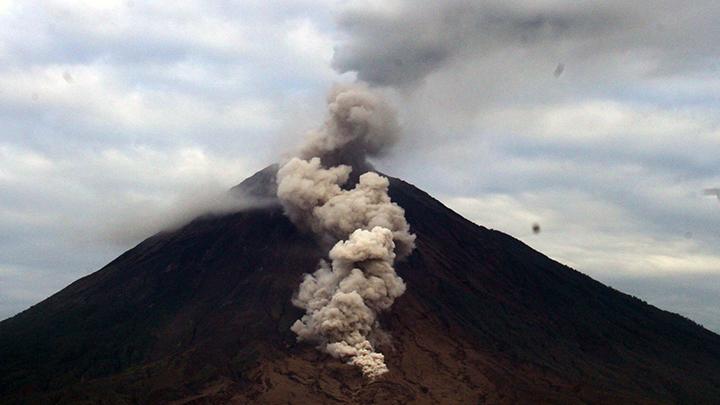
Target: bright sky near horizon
599 121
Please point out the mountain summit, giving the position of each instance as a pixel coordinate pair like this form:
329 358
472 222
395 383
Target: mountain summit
202 315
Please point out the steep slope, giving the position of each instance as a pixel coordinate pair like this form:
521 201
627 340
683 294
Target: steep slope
202 315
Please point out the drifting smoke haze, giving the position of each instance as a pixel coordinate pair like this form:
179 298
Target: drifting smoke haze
343 297
125 225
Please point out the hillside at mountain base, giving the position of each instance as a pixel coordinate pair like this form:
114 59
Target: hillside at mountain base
201 315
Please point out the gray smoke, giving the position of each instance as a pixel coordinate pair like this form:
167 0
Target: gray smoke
401 45
359 124
467 56
343 297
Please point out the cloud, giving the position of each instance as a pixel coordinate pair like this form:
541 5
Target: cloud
608 240
455 60
673 268
402 44
694 296
136 192
480 79
121 118
63 217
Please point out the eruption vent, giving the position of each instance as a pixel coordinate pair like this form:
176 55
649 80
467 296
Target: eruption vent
367 231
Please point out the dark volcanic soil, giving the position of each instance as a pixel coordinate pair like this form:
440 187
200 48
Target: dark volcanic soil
201 315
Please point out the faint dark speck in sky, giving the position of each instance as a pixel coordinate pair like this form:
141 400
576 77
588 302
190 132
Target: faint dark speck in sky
559 70
67 77
536 228
713 192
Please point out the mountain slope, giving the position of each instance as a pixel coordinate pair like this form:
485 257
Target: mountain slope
202 315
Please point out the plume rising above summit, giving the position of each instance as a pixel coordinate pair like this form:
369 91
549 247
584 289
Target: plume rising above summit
343 297
360 123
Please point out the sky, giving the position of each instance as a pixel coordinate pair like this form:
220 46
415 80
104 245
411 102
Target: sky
597 121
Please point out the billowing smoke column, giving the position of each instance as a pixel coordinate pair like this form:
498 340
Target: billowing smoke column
368 232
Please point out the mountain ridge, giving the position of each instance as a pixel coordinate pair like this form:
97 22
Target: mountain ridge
202 315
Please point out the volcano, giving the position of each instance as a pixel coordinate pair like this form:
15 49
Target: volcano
202 315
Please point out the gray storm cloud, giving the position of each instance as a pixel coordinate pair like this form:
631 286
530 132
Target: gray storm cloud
405 42
401 46
367 231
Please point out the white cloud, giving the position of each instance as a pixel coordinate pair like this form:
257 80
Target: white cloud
87 209
97 97
594 236
583 121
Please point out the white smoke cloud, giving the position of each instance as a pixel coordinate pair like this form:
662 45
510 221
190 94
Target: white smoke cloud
342 298
133 221
304 185
313 198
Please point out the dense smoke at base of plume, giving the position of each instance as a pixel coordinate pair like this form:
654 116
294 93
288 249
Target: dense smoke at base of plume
313 198
343 297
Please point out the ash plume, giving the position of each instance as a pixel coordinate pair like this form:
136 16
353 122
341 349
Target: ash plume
360 124
367 231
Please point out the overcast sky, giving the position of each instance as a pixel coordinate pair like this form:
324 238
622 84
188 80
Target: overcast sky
599 121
